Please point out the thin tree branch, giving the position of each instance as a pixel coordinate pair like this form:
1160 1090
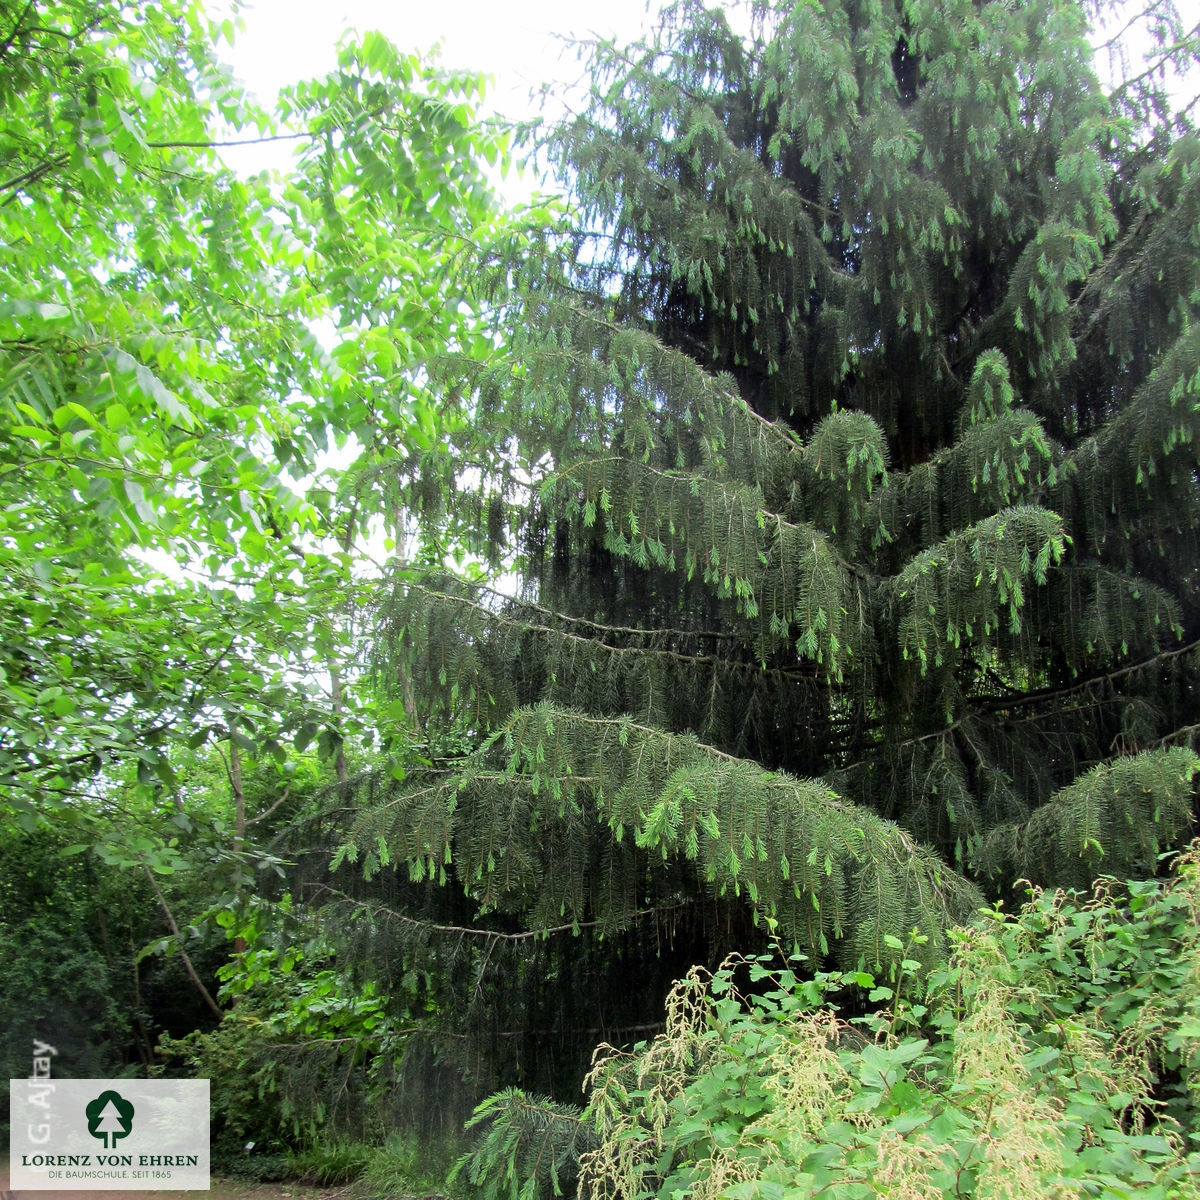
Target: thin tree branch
1164 57
337 696
16 29
493 935
34 173
732 664
1186 731
264 815
1004 702
187 962
213 144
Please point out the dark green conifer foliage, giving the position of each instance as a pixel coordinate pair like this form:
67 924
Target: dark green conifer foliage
844 444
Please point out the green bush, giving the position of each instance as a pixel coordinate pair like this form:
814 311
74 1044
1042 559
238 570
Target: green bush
330 1163
1052 1056
248 1122
67 976
405 1166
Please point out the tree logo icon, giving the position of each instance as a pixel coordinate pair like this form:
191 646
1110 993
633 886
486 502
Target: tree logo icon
109 1117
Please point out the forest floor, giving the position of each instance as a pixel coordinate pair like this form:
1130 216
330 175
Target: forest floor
222 1189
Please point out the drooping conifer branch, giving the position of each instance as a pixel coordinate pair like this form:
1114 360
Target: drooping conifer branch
1115 819
565 813
471 649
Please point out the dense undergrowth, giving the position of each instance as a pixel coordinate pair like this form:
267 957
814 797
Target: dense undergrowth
1053 1055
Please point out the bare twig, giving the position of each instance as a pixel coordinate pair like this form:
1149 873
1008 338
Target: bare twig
187 962
262 816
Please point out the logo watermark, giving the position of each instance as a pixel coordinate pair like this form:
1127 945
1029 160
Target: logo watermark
109 1116
109 1134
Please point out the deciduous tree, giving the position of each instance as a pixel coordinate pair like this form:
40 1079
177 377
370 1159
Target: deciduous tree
179 346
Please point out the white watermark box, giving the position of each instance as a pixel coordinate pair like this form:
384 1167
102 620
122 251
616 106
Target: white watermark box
108 1134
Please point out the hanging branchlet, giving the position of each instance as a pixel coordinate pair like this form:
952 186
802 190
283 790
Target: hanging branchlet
1117 818
565 815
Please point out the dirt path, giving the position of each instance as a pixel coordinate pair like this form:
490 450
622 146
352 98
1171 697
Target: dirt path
222 1189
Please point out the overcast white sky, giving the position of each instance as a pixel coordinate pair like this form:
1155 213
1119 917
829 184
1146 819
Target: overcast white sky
517 42
512 40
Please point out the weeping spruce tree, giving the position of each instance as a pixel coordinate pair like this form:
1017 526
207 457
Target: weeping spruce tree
843 444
